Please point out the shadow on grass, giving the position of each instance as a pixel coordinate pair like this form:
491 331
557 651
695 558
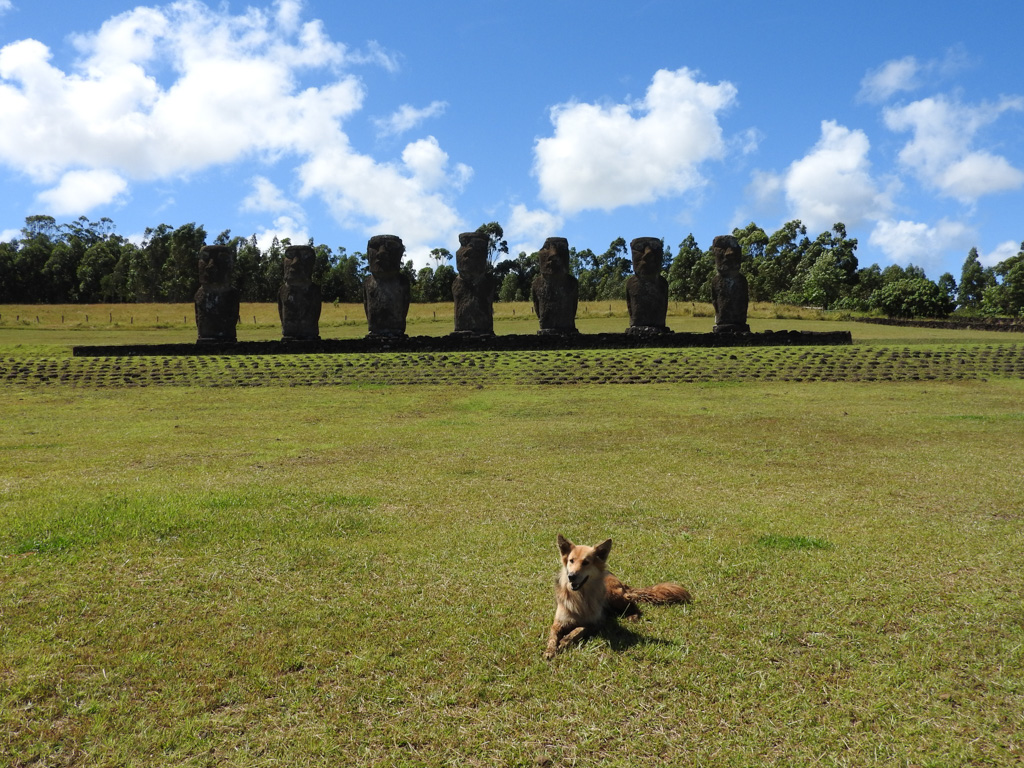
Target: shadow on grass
621 638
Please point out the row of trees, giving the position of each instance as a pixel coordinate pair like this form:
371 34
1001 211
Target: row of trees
88 262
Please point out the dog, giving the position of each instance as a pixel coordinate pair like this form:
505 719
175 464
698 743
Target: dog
587 595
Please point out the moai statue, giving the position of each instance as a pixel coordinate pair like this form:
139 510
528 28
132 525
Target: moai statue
729 287
555 291
386 288
647 290
216 300
299 300
473 289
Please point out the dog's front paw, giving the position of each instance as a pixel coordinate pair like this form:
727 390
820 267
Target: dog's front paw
572 637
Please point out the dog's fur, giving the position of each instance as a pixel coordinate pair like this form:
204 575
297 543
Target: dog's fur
588 595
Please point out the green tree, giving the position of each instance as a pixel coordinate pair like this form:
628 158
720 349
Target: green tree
495 240
519 273
1006 297
974 280
824 281
912 297
948 285
179 273
689 271
774 261
509 290
97 274
8 272
613 270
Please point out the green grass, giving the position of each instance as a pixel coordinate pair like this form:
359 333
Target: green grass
361 574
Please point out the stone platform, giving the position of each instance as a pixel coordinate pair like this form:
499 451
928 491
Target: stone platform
453 343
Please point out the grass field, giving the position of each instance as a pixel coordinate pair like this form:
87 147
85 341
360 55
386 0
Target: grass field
198 573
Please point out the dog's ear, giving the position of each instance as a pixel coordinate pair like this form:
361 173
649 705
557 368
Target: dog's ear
564 545
601 550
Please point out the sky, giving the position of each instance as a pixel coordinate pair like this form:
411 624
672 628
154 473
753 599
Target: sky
593 120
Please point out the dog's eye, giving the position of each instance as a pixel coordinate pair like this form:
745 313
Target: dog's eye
571 560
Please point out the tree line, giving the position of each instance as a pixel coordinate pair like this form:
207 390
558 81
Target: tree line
88 262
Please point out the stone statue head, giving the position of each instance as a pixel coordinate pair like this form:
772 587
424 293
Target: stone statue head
215 265
648 254
728 254
384 254
471 258
554 257
298 264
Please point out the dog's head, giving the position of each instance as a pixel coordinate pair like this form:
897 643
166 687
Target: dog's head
580 562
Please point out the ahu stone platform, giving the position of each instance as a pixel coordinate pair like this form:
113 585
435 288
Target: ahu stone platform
462 343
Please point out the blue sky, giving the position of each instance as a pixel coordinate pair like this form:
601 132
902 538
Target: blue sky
588 120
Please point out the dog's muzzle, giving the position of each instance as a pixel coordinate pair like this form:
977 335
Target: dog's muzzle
575 585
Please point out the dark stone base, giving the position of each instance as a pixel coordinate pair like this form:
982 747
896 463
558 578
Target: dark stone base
558 333
232 339
387 336
645 331
452 343
731 328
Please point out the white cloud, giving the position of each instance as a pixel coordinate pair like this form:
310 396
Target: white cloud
407 117
233 95
891 78
527 229
408 199
831 183
8 235
5 6
606 156
266 197
911 242
283 227
81 191
940 153
1002 252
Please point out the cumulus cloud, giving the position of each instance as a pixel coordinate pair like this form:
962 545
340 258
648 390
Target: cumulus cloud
911 242
165 92
5 6
606 156
283 227
528 229
941 155
909 73
408 117
266 197
889 79
408 198
1001 252
80 191
831 183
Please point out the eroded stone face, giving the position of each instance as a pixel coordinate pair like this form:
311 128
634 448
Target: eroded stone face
729 290
299 300
473 289
216 301
386 290
555 290
648 254
554 257
384 254
646 289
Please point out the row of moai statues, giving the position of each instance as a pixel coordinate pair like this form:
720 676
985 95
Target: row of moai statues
386 290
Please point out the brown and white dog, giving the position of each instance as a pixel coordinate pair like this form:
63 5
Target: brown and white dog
587 595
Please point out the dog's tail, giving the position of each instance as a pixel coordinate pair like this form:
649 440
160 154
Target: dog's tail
659 594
